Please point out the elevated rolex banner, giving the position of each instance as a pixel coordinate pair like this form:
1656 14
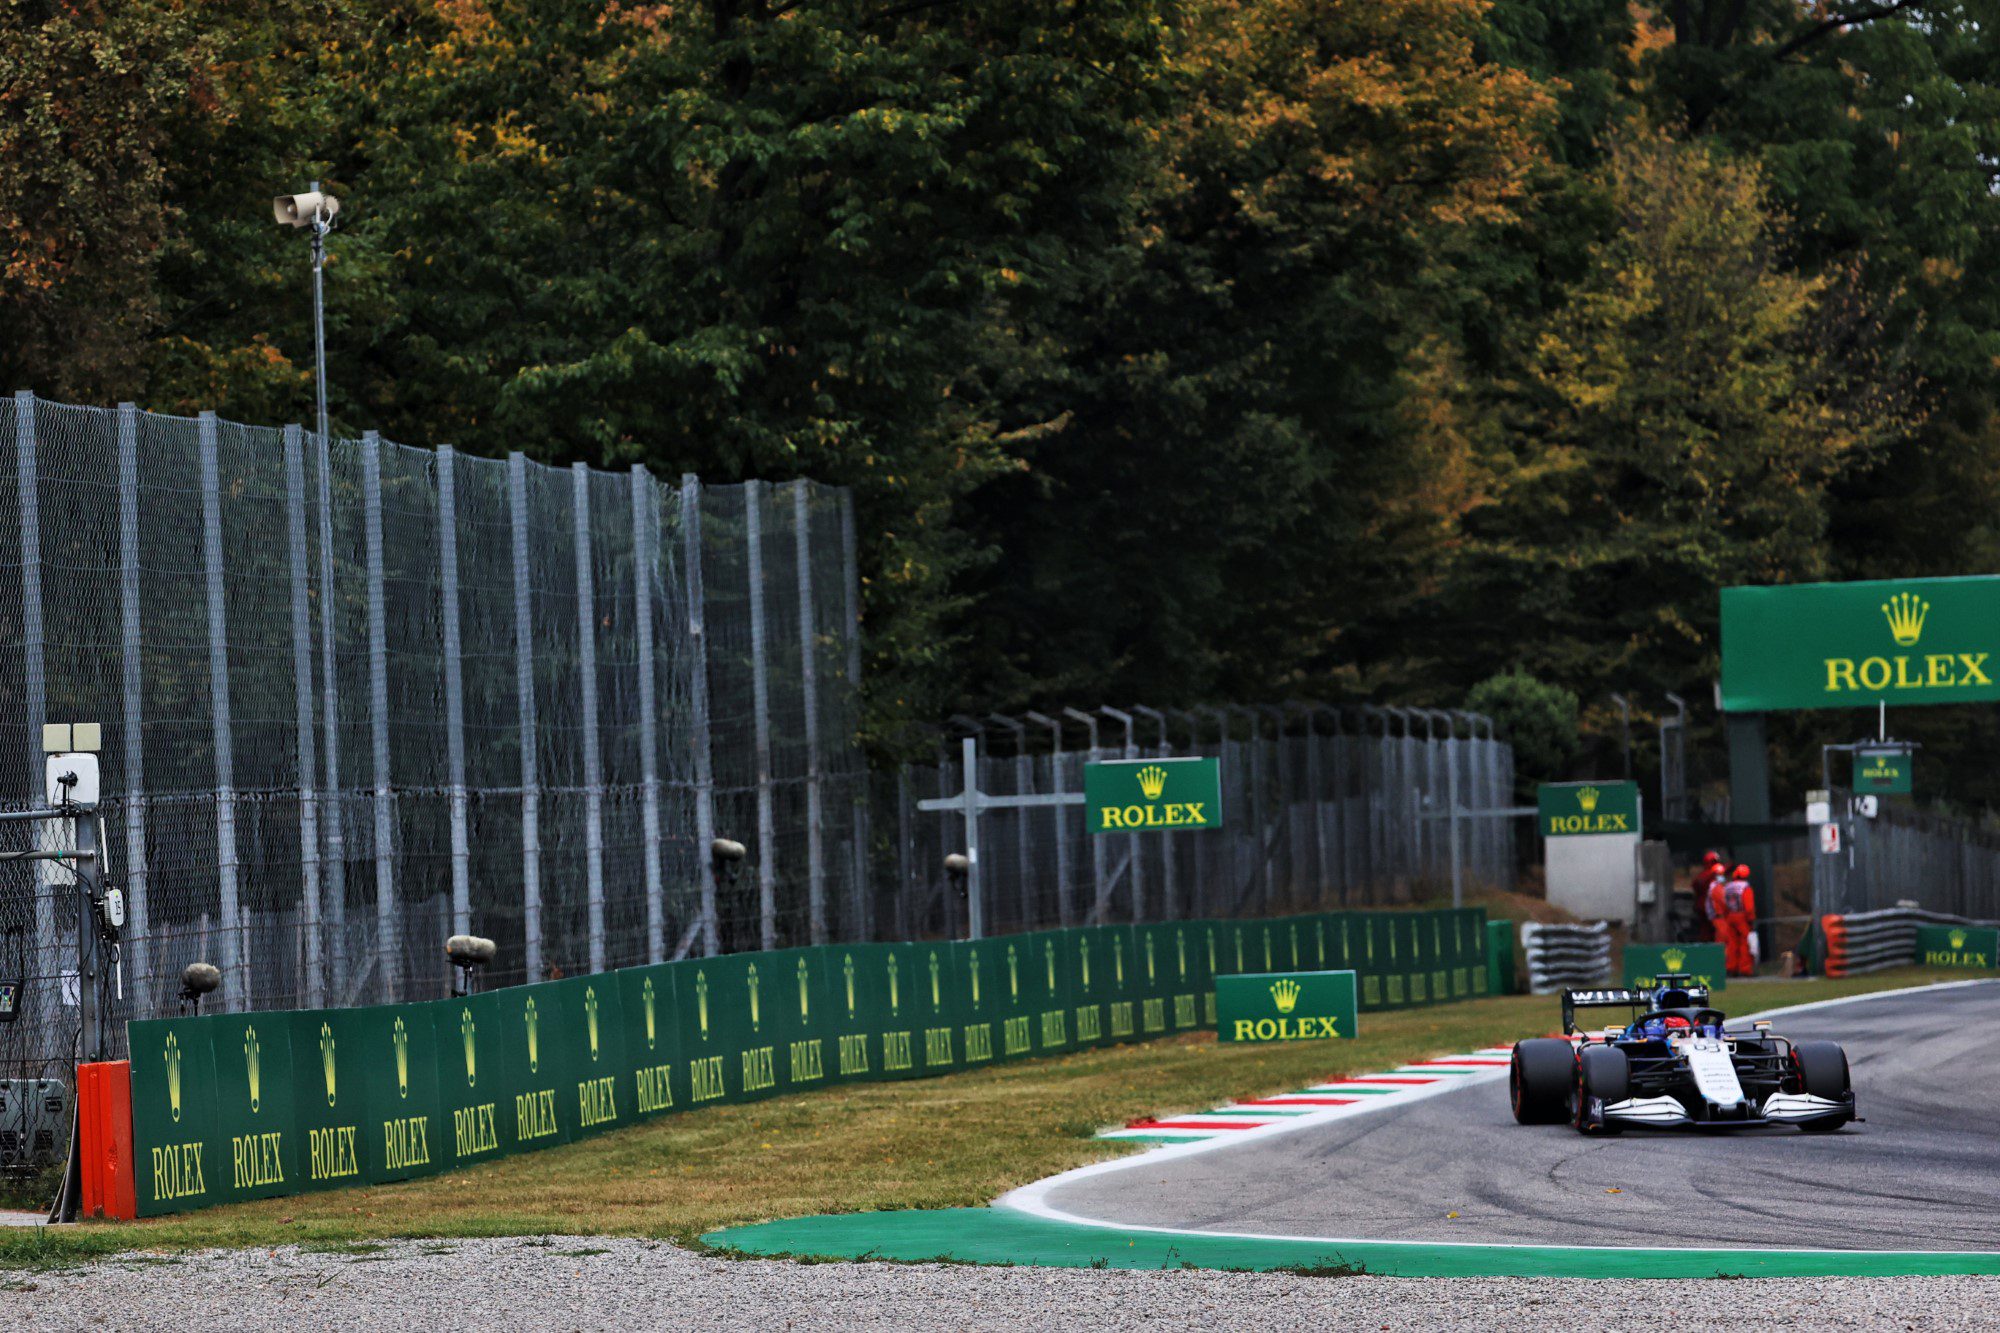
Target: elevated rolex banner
653 1039
1704 962
180 1159
1959 946
1883 772
1152 795
1285 1006
1854 645
1573 809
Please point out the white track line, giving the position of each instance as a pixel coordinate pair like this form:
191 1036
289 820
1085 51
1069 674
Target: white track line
1033 1199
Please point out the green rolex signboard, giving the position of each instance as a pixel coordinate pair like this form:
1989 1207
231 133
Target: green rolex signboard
1882 772
1702 962
1285 1006
1146 795
1958 946
1570 809
1853 645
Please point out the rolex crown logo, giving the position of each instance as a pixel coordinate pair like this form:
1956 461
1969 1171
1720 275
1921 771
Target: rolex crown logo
173 1058
468 1030
1285 993
1957 939
590 1017
534 1020
326 1058
652 1024
1905 613
1587 798
1152 781
1674 959
253 1068
400 1037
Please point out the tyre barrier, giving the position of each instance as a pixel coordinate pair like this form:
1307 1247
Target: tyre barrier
227 1107
1860 942
1562 956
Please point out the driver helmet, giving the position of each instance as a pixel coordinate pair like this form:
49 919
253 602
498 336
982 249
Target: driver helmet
1676 1023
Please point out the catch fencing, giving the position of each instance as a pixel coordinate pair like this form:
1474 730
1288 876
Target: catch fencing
1908 858
357 697
1323 808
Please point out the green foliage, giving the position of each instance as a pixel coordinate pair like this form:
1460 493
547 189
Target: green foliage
1539 719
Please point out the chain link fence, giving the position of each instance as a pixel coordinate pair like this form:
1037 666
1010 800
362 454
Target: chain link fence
1906 857
1324 808
358 697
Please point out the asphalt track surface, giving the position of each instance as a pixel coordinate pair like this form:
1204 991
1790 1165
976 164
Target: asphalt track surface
1923 1172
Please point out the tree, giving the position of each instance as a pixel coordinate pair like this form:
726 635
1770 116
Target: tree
1537 718
86 89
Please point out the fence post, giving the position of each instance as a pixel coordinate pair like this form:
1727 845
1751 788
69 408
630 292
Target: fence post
454 691
809 684
138 927
645 576
906 886
387 945
1065 891
593 757
524 689
862 911
33 647
760 689
334 868
302 701
235 950
704 759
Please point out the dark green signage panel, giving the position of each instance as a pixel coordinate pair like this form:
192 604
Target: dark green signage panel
1883 772
1045 991
980 1002
589 1015
729 1027
1854 645
402 1124
329 1078
1152 969
1573 809
875 1033
534 1067
472 1078
653 1040
1703 962
1958 946
180 1160
1152 795
253 1102
934 999
1285 1006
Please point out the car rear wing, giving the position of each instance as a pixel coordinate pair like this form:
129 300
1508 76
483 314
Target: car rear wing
1574 1000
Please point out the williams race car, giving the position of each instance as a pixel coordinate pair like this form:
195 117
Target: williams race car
1675 1064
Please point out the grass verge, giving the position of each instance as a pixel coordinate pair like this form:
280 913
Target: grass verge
946 1142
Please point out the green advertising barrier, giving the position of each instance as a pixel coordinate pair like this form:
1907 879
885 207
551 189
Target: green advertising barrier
1499 971
472 1078
243 1106
1958 946
653 1040
1286 1006
177 1149
1704 962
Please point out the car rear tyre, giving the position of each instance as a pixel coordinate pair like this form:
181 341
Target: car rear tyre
1604 1073
1823 1072
1538 1082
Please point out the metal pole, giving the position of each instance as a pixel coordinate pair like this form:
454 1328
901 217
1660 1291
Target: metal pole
593 758
1097 866
319 230
974 896
1024 782
454 692
387 945
645 582
809 687
138 926
33 647
862 912
760 689
1257 872
524 689
1135 848
334 893
235 947
1065 887
1451 777
704 758
302 701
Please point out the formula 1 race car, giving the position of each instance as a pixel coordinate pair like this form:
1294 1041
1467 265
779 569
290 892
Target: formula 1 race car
1675 1064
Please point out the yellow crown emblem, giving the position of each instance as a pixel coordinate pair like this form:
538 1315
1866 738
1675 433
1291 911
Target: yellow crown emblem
1958 939
1587 798
1905 613
1285 993
1152 781
1674 959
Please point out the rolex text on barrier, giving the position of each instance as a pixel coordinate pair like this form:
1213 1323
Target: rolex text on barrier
1285 1006
1704 962
1152 795
1854 645
229 1107
1958 946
